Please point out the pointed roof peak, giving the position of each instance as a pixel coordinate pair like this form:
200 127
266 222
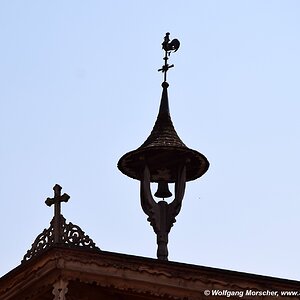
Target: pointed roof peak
163 132
164 102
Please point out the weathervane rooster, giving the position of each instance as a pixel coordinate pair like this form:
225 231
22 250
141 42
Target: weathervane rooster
168 46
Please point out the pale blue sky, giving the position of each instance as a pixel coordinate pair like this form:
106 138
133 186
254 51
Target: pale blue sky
80 87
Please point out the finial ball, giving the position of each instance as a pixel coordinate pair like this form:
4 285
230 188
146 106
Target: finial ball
165 85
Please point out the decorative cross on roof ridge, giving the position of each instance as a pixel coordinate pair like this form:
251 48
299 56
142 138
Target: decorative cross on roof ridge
59 233
57 200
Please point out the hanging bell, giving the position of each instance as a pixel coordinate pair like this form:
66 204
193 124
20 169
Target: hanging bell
163 190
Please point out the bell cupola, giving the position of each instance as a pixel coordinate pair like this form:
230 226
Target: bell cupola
163 159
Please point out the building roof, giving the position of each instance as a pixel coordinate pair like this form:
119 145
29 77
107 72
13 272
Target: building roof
91 274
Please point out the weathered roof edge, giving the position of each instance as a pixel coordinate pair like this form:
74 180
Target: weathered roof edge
92 267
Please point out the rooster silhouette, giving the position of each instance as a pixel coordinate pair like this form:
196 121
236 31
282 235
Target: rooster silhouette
170 46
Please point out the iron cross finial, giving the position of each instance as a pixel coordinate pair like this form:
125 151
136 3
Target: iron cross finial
168 47
58 218
57 199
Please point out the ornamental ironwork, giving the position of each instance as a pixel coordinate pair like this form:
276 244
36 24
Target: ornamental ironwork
59 232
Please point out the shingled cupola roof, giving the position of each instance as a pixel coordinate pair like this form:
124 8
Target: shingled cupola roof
163 132
163 149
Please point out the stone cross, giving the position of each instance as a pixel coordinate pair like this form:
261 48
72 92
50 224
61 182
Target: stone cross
56 200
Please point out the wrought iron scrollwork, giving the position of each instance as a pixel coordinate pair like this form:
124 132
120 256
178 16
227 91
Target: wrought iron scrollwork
59 233
73 235
43 241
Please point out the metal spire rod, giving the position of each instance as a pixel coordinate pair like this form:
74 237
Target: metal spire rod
168 47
